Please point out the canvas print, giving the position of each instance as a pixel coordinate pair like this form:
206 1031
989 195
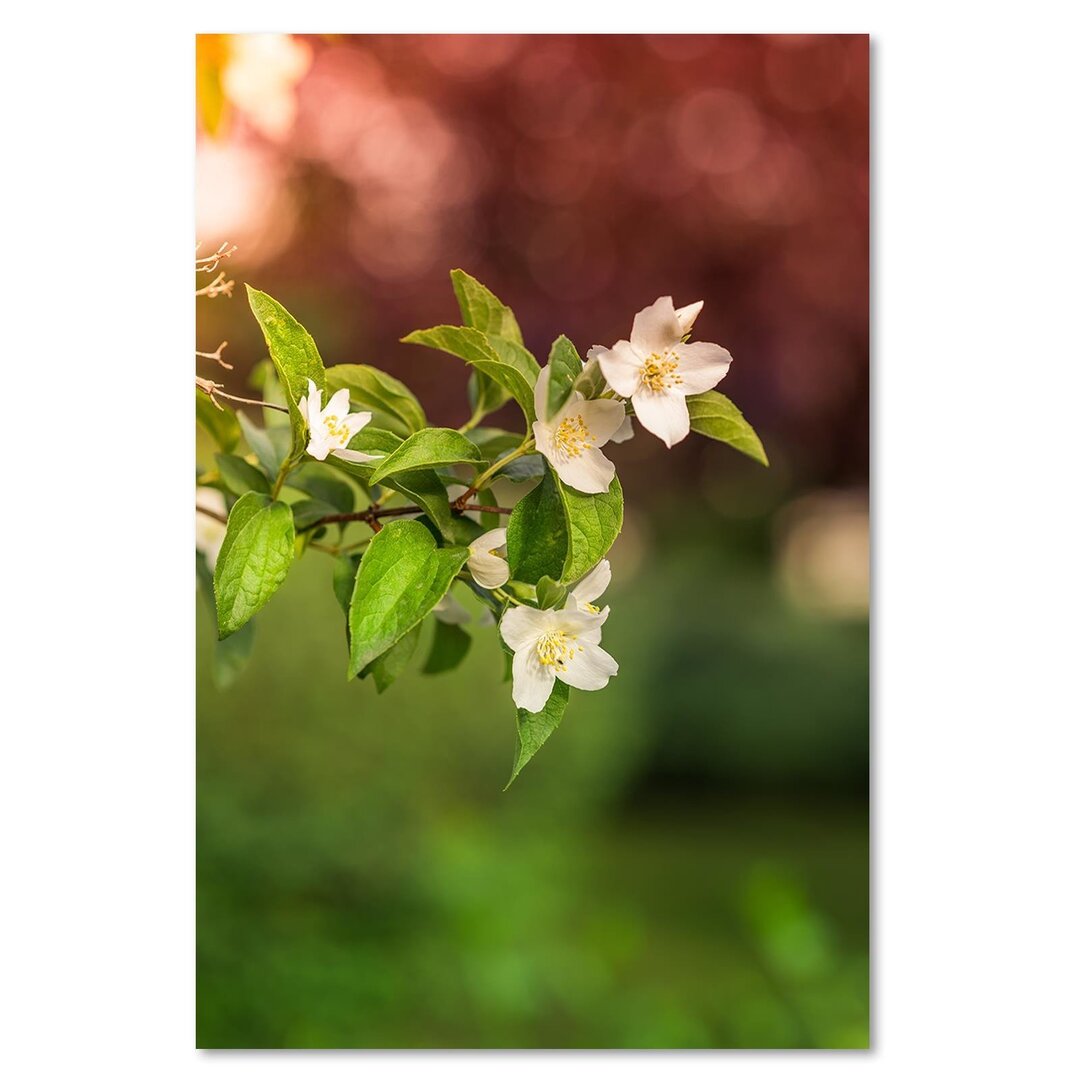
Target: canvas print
532 541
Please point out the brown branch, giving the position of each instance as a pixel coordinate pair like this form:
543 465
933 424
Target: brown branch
220 286
484 509
210 263
216 355
215 390
372 514
211 514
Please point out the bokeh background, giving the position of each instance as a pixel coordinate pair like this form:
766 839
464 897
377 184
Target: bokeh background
686 862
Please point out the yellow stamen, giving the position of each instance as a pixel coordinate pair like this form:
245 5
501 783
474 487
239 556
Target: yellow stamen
572 436
660 372
337 429
556 648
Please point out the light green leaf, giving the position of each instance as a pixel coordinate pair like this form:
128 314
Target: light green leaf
402 577
536 535
387 667
716 416
255 557
534 729
241 476
549 593
485 394
475 348
430 448
593 523
448 648
482 309
565 366
392 404
494 442
295 357
591 382
220 424
268 445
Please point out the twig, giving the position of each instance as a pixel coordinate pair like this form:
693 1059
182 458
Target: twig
211 514
215 390
485 509
216 355
487 474
218 287
210 263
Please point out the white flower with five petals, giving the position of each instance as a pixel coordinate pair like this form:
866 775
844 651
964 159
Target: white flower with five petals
331 429
487 559
657 370
571 439
550 645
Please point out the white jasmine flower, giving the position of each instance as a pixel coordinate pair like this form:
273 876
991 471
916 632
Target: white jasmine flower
550 645
571 439
487 559
590 588
450 610
209 532
657 370
332 428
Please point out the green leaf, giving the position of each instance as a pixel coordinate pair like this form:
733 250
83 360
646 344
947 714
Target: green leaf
482 309
529 467
345 567
494 442
232 654
267 445
402 577
307 511
594 521
387 667
534 729
255 557
716 416
536 535
509 370
448 648
485 394
591 382
220 424
295 357
319 482
549 593
430 448
565 366
393 405
240 476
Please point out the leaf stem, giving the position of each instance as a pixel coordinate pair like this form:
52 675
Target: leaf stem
487 474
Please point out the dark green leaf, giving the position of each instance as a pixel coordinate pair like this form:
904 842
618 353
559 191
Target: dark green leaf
270 451
494 442
534 729
392 404
482 309
478 350
536 536
255 557
295 357
240 475
716 416
319 481
590 383
485 394
387 667
345 567
549 593
232 654
221 424
430 448
529 467
565 366
448 648
594 521
307 511
402 577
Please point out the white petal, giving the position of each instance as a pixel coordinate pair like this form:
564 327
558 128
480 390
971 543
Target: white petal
625 432
318 446
593 584
590 472
585 626
602 418
356 422
589 668
621 367
702 365
540 392
450 610
655 328
338 405
494 538
687 315
313 401
664 414
489 571
348 455
532 680
522 626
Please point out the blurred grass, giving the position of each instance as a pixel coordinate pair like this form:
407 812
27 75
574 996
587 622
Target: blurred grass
685 864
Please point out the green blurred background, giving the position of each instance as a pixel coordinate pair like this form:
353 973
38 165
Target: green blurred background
686 862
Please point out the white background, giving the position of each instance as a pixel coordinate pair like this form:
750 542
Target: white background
975 542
